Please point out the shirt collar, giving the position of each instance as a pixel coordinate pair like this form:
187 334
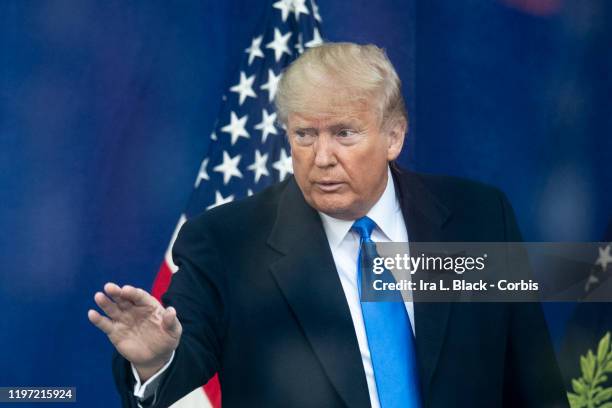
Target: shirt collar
383 213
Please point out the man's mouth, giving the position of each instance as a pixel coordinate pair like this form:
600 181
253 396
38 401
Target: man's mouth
328 186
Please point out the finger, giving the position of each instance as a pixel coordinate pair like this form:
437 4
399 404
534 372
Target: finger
170 321
137 296
103 323
112 289
109 307
114 292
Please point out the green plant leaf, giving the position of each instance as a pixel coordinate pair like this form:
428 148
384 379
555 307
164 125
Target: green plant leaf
603 348
575 401
588 390
589 367
584 367
579 387
602 396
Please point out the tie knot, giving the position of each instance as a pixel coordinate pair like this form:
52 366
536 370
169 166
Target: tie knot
364 227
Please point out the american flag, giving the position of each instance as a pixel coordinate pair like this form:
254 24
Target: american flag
248 151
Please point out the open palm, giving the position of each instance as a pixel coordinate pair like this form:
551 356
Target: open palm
140 328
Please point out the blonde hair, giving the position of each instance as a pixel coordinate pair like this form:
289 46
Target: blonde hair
347 71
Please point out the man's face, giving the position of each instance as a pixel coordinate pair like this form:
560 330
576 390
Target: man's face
340 160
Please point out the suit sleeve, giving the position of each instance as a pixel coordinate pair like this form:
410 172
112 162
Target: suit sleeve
531 377
197 292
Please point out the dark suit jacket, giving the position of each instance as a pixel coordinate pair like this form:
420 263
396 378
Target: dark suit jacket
261 303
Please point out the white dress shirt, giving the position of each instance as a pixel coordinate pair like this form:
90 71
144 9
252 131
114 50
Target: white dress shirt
144 391
344 245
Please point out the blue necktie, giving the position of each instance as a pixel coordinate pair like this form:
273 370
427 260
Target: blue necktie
389 333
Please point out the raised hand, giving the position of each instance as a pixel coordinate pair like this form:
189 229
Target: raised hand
140 328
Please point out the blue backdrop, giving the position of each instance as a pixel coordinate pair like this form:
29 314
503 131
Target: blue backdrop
106 109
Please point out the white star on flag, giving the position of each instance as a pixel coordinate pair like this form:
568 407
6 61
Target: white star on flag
279 44
236 127
219 199
592 280
285 7
272 85
244 87
284 165
315 11
299 45
254 50
202 174
266 125
229 167
604 257
316 39
299 6
259 165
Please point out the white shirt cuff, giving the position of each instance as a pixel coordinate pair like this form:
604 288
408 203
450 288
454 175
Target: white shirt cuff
144 391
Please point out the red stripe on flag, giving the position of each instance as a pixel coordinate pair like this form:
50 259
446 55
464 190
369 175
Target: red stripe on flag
162 281
212 389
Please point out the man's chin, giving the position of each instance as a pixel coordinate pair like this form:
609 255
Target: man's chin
336 210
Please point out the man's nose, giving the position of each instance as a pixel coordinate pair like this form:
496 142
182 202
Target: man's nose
324 151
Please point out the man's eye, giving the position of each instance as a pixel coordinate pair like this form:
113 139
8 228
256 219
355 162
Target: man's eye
346 132
303 137
302 134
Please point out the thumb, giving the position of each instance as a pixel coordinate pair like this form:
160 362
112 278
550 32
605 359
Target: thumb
170 322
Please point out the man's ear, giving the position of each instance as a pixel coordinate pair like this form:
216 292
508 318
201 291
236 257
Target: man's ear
396 132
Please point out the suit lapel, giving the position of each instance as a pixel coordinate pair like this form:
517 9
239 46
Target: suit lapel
307 277
425 217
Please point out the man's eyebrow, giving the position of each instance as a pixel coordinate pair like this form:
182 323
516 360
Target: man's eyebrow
305 129
342 125
334 127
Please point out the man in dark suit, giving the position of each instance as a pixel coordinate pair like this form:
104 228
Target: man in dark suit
267 289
